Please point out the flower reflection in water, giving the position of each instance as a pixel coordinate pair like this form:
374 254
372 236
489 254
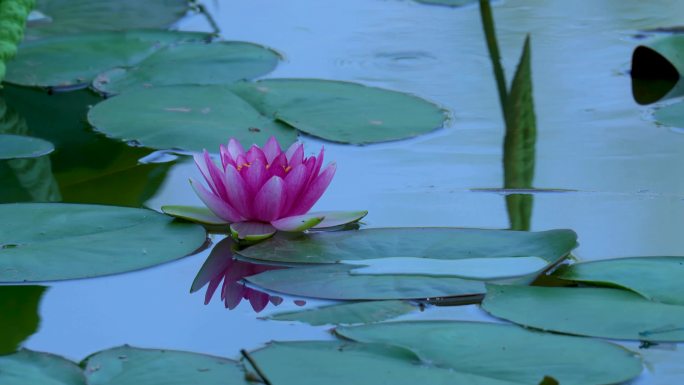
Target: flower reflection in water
222 269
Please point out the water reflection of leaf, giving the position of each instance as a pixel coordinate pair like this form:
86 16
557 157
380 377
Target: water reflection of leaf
88 167
18 315
27 179
222 266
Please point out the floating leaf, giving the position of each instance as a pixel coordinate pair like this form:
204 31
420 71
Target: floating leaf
448 3
185 117
468 268
75 60
338 218
414 242
40 242
251 231
348 313
27 367
323 362
342 111
19 146
656 278
86 16
671 115
13 14
607 313
198 64
505 352
127 365
335 282
18 315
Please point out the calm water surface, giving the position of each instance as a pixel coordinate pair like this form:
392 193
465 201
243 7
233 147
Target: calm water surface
615 176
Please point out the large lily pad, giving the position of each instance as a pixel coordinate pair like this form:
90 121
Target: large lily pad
656 278
79 16
18 315
341 111
505 352
74 60
185 117
596 312
336 282
19 146
334 362
414 242
198 64
28 367
52 241
348 313
127 365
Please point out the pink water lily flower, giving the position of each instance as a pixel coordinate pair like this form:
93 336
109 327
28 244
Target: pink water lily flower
262 190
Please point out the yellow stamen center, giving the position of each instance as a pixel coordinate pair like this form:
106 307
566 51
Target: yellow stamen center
240 166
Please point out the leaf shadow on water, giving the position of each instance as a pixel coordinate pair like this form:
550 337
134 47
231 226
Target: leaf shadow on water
87 166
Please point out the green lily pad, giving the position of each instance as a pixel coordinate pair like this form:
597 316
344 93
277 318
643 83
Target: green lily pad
185 117
656 278
338 218
53 241
335 282
19 146
414 242
79 16
75 60
341 111
671 115
198 64
348 313
127 365
18 315
596 312
326 362
505 352
28 367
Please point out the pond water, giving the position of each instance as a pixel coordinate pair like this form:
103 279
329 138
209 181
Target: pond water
604 168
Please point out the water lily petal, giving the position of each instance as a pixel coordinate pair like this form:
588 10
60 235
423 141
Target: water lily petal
255 175
337 218
278 166
257 299
295 181
272 149
202 166
216 176
238 194
219 207
314 190
297 223
252 231
233 292
255 153
275 300
213 285
269 201
317 165
235 148
226 159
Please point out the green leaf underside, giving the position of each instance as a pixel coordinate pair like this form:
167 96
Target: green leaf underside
191 118
468 268
341 111
18 315
194 214
55 241
416 242
18 146
335 282
595 312
338 218
252 231
75 60
327 362
134 366
505 352
658 279
298 223
348 313
28 367
80 16
198 64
